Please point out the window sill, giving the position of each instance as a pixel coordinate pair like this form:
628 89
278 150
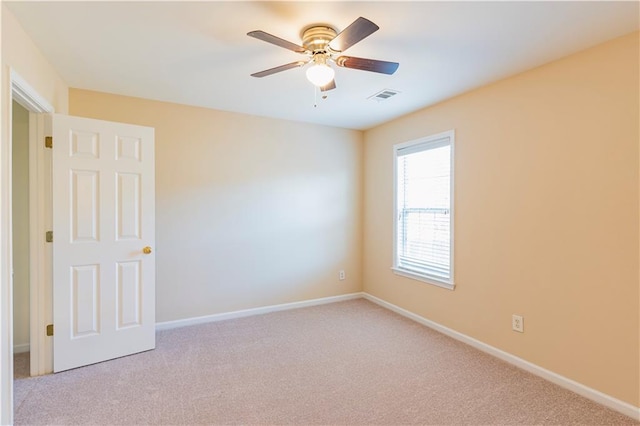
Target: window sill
423 278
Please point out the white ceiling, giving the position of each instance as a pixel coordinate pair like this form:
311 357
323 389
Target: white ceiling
198 53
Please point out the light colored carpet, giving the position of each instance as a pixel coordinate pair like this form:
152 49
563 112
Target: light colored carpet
348 363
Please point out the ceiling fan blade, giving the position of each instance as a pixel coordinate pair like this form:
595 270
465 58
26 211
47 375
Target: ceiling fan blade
278 69
373 65
358 30
329 86
269 38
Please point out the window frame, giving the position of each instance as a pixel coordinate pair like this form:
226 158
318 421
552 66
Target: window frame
435 140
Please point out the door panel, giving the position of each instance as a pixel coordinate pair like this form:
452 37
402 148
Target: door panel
85 193
129 291
85 305
103 217
128 207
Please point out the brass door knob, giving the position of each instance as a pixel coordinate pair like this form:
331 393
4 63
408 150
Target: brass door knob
146 250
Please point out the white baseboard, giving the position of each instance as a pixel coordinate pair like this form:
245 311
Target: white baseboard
19 349
589 393
167 325
585 391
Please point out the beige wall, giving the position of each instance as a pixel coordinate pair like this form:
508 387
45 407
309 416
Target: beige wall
21 54
249 211
546 226
20 212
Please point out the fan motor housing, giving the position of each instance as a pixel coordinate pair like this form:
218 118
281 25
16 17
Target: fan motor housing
317 37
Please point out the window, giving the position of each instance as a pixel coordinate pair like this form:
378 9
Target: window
423 246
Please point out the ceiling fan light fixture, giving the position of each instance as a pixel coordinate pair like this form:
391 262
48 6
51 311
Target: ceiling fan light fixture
320 74
320 43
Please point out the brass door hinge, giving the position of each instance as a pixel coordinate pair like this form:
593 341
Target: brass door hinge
49 236
50 330
48 141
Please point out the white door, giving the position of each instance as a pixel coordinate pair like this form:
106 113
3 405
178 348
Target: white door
103 238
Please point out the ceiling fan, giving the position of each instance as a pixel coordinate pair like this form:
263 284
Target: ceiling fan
323 45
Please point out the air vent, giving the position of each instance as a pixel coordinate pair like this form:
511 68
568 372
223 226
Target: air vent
383 95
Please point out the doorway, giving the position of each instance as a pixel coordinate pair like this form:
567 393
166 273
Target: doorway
131 314
22 93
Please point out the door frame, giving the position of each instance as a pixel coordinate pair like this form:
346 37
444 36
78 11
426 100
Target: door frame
40 254
16 88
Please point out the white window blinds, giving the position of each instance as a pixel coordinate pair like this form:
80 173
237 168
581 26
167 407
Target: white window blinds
424 209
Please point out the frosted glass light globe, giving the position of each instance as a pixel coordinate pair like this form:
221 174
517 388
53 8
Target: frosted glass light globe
320 74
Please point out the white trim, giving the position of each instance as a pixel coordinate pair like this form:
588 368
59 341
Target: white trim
426 140
26 95
411 146
424 278
167 325
6 290
20 349
41 353
40 307
585 391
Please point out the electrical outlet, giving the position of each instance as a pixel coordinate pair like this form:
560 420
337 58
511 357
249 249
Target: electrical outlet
341 275
517 323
